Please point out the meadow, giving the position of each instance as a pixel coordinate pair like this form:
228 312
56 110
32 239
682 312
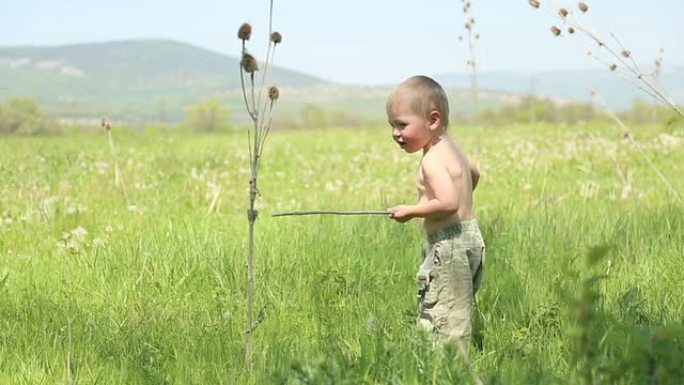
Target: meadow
583 284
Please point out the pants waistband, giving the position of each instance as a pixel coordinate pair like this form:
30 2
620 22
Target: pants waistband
452 230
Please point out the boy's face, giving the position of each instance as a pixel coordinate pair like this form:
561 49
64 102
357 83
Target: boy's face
411 131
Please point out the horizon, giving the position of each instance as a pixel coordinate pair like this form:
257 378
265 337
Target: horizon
455 72
515 36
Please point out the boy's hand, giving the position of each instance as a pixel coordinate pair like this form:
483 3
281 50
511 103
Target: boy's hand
401 213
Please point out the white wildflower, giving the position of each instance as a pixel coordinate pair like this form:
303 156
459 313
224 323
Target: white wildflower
97 243
79 232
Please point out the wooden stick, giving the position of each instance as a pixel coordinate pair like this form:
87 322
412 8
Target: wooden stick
327 212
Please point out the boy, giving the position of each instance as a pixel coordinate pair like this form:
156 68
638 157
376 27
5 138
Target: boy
453 260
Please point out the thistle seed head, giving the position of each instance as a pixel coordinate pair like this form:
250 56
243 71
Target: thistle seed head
105 125
555 30
563 12
276 37
273 93
625 53
582 6
245 31
249 63
534 3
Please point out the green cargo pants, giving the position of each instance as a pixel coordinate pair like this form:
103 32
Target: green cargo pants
450 274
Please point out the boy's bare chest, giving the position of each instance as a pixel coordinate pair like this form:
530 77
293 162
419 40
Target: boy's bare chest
421 186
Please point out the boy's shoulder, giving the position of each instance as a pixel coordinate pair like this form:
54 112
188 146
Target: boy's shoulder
445 153
444 147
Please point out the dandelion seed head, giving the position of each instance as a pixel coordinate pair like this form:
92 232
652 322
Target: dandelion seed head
563 12
582 6
555 30
571 30
79 232
97 243
276 37
613 67
534 3
625 53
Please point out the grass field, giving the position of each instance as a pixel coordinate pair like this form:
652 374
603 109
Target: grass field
584 280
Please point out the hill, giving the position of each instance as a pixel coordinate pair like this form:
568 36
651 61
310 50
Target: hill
131 80
154 80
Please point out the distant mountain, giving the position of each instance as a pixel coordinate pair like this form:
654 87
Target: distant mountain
574 85
154 80
129 80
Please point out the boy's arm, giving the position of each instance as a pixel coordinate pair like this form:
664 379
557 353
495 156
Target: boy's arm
445 202
474 175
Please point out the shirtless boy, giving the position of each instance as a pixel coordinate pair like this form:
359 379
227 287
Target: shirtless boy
453 259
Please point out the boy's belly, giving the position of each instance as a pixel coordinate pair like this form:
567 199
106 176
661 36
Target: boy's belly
430 225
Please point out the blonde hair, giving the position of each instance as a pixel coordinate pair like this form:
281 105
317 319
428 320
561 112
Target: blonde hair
423 95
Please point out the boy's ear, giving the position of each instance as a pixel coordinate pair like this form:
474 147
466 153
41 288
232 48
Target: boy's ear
435 119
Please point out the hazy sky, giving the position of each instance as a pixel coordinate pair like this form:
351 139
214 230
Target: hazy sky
354 41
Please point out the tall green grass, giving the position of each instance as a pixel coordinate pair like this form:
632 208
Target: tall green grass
583 280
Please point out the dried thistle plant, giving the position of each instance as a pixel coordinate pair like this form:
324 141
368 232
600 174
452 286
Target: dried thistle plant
472 37
118 177
611 53
655 74
259 101
658 67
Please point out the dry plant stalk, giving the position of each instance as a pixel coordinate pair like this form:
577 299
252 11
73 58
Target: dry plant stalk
471 40
627 134
330 212
657 70
118 178
213 206
68 363
611 53
658 67
259 101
